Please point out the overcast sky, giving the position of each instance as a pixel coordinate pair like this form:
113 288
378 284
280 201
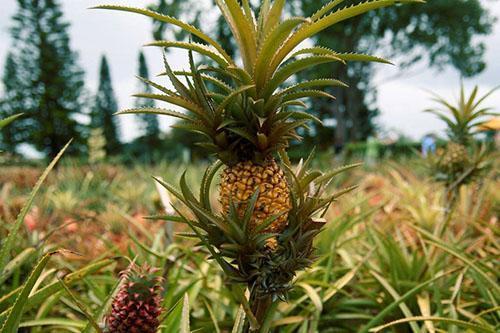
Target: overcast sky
119 36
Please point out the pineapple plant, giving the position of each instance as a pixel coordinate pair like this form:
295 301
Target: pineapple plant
462 160
248 113
137 305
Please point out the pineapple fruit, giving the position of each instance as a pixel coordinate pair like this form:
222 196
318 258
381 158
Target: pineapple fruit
137 306
240 182
455 158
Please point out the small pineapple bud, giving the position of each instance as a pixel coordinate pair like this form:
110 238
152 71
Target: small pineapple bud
137 306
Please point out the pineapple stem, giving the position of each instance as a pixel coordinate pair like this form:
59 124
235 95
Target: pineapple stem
263 308
268 317
260 308
450 200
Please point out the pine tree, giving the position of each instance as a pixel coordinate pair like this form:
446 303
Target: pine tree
105 106
170 8
11 102
149 122
42 80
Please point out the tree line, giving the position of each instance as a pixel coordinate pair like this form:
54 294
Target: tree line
43 80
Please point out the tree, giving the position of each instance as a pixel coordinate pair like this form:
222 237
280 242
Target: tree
11 103
149 122
171 8
431 33
104 108
42 80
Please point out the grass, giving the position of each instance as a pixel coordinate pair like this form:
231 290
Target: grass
387 261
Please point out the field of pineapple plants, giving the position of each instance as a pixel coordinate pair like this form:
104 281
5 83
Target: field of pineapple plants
255 241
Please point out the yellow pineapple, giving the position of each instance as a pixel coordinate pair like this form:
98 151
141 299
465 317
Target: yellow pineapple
240 182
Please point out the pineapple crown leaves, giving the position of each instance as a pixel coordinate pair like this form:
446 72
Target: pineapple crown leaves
296 88
208 78
463 118
342 57
208 51
253 91
309 188
142 281
6 121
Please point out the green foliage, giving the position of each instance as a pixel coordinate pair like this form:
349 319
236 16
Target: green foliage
396 150
13 232
9 103
371 258
38 68
173 8
21 299
96 144
105 106
11 323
